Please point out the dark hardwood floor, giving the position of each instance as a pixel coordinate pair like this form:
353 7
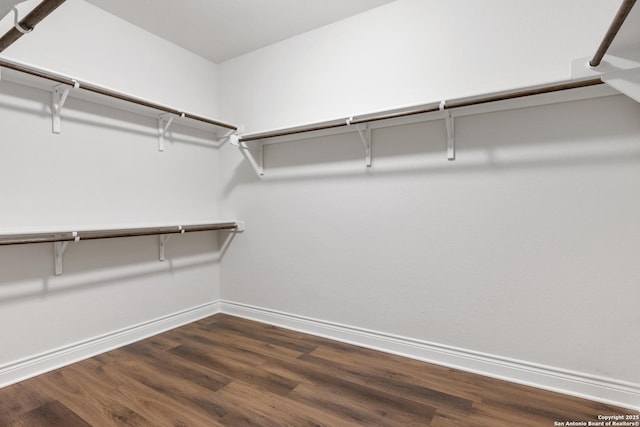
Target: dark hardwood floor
226 371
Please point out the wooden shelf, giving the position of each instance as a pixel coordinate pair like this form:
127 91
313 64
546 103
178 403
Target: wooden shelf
61 238
27 75
252 144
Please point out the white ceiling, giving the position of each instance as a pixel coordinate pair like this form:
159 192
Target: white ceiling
222 29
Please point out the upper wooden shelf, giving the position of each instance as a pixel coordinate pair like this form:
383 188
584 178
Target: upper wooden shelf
63 86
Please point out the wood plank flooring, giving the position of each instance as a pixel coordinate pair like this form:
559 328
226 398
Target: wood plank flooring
227 371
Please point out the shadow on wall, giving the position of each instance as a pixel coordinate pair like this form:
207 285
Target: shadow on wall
549 136
28 270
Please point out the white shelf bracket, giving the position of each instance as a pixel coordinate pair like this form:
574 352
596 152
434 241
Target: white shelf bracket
58 252
451 138
164 128
163 239
626 82
226 137
58 98
16 21
365 136
256 162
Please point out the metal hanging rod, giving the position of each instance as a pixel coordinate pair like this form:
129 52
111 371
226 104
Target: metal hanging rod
61 239
71 236
619 19
431 108
106 92
29 22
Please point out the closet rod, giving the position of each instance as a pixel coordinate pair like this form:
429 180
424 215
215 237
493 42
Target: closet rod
70 236
619 19
29 22
106 92
423 110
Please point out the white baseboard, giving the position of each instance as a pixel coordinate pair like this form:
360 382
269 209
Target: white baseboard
36 365
606 390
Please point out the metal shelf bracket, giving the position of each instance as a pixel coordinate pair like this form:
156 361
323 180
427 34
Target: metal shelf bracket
16 21
58 98
365 136
226 137
257 162
58 252
626 82
163 239
163 128
451 139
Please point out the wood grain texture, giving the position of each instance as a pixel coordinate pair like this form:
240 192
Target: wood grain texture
227 371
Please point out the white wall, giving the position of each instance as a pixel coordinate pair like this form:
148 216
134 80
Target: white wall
81 40
104 169
523 248
410 52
